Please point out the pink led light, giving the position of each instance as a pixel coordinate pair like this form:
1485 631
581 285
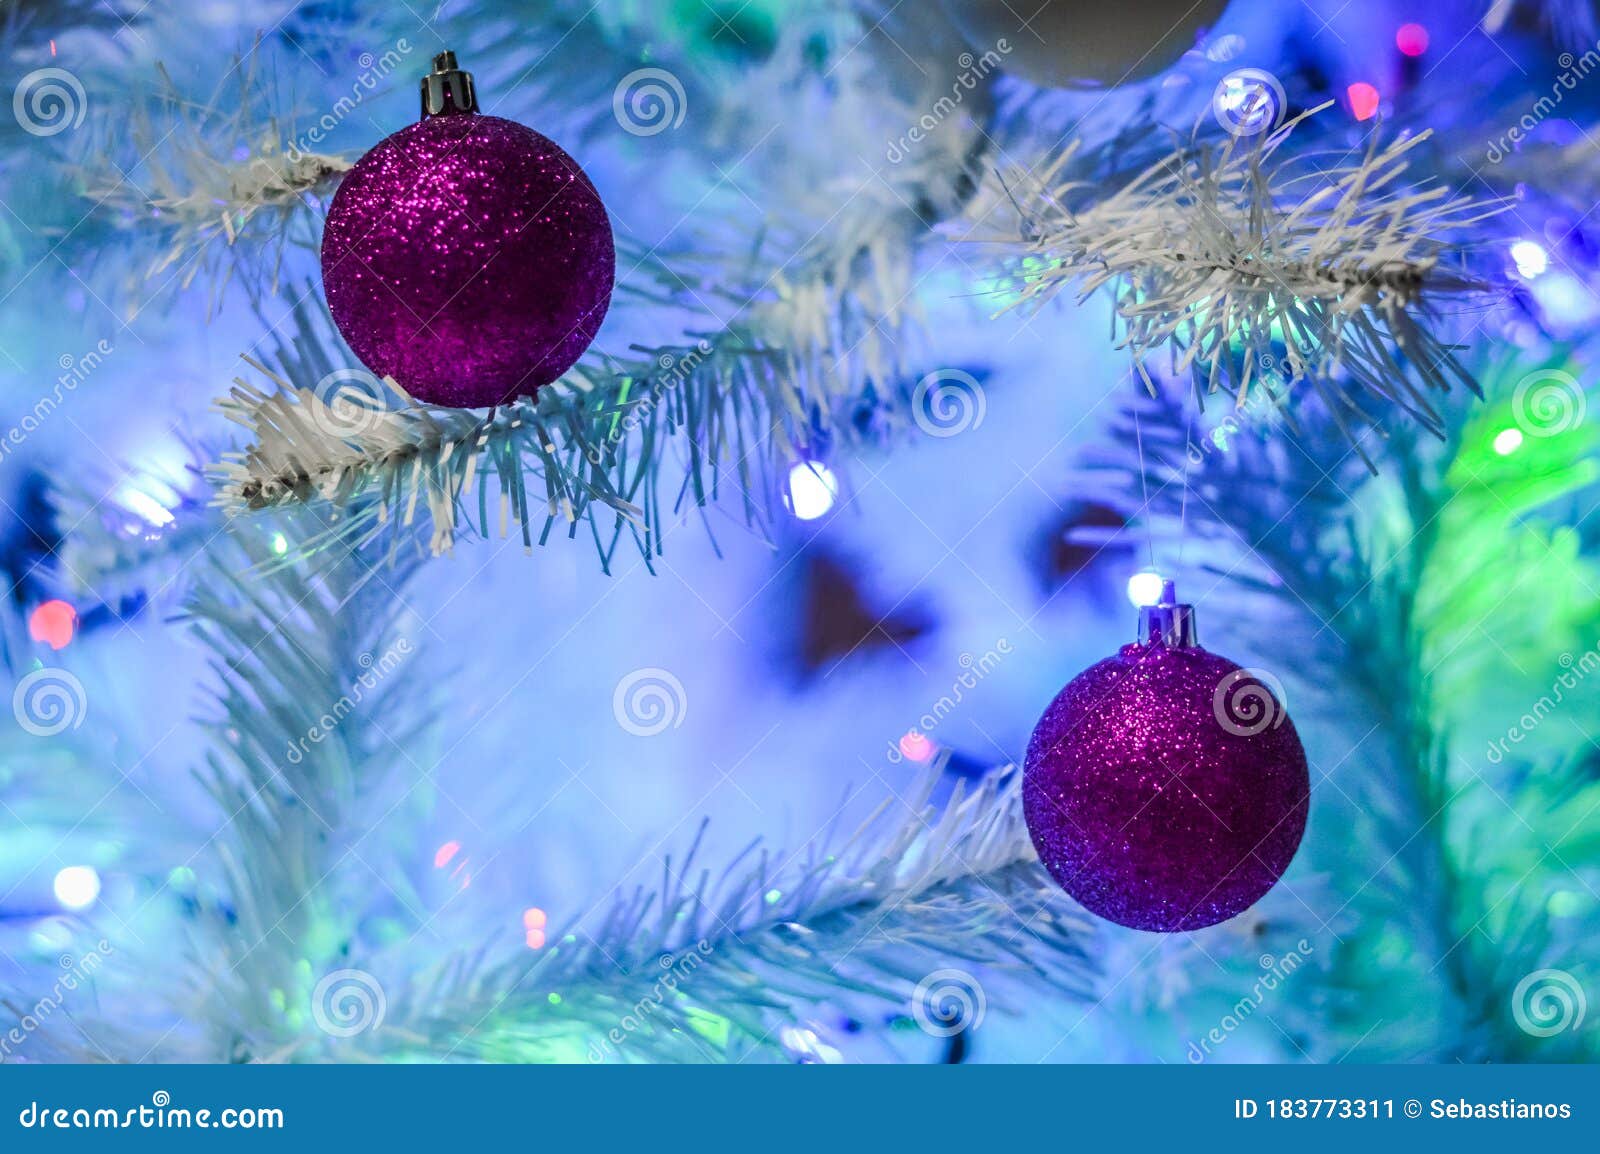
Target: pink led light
1412 39
1363 100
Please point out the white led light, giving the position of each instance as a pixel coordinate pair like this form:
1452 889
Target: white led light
77 887
1530 258
1144 588
812 489
136 500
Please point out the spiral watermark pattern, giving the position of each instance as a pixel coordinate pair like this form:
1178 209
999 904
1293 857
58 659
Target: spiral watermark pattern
947 1002
49 701
649 701
48 101
947 402
348 1002
1547 1002
1248 702
1248 102
648 101
347 403
1548 403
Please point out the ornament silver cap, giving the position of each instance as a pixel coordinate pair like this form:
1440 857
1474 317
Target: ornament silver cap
1168 622
447 90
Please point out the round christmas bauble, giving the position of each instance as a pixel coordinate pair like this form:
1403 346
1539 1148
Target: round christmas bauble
1165 788
1077 44
467 256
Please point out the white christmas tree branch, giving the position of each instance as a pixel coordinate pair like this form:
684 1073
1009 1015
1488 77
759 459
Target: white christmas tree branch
223 169
913 891
317 712
1257 271
589 449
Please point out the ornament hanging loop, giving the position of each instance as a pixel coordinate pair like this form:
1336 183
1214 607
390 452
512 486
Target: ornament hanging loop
1168 622
448 90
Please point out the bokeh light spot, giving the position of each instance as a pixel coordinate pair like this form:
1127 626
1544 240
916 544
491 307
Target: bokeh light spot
812 489
77 887
1412 39
1530 258
1508 441
53 623
1363 100
1145 588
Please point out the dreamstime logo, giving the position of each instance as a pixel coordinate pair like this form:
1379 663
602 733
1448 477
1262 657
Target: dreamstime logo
347 403
649 701
973 670
374 69
973 70
74 371
1546 1002
1257 412
48 701
1248 702
76 974
1548 403
1573 69
1248 102
676 969
1274 972
373 670
947 1002
947 402
648 101
1576 669
48 101
672 369
347 1003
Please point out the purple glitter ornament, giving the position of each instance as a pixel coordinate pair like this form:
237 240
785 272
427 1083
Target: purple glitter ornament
1165 788
467 256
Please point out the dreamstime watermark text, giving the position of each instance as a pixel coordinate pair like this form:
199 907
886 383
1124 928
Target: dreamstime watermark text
973 671
973 70
74 371
76 973
159 1114
676 969
1577 669
374 670
1274 972
672 369
374 69
1573 69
